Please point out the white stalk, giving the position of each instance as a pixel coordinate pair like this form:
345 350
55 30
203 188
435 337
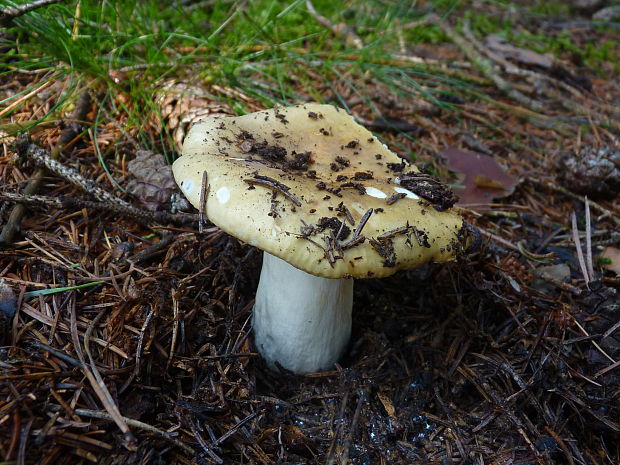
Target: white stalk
301 321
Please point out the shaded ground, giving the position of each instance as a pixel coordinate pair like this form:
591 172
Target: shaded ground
494 359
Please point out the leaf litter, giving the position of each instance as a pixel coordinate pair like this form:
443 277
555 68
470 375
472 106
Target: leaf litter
480 178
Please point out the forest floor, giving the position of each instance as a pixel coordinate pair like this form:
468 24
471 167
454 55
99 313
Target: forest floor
125 331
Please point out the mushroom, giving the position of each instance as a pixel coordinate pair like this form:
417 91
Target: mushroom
327 202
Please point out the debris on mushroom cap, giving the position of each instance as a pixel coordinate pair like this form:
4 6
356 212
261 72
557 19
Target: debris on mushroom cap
296 181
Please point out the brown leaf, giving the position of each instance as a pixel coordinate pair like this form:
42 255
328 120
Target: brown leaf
482 179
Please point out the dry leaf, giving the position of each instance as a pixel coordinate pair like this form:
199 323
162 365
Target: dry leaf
481 178
387 404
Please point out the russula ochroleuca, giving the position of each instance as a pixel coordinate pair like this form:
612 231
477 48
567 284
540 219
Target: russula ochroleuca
326 202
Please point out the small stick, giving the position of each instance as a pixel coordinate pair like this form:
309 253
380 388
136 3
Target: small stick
41 157
582 263
485 66
175 330
355 240
339 231
8 14
204 191
153 249
203 443
335 431
362 222
395 197
23 98
97 383
61 355
101 389
140 215
329 251
354 185
594 343
418 235
234 429
607 369
131 422
556 437
340 30
138 355
306 229
395 232
343 209
611 330
313 242
25 432
589 240
361 398
272 184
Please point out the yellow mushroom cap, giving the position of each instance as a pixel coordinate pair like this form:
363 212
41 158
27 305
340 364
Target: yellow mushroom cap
297 181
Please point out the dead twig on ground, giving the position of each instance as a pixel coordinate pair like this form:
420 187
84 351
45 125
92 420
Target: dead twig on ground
485 66
577 241
9 13
96 381
340 30
128 211
133 423
41 157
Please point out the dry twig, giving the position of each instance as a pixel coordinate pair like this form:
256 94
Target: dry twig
134 423
340 30
128 211
8 14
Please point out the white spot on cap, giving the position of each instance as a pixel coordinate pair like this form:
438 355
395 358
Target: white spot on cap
374 192
407 192
275 230
188 186
222 195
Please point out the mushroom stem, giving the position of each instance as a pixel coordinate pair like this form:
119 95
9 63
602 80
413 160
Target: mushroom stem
301 322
